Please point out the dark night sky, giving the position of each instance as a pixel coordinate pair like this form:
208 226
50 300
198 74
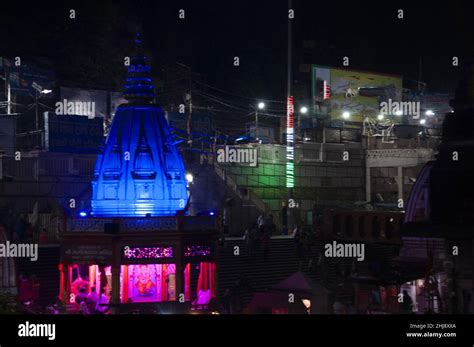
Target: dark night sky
368 32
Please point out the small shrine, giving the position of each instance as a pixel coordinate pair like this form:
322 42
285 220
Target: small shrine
137 245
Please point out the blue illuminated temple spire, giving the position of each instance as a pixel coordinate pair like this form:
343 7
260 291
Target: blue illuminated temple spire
139 85
140 171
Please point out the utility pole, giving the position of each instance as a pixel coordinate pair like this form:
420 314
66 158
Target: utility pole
290 133
420 69
256 124
189 99
260 106
289 75
36 111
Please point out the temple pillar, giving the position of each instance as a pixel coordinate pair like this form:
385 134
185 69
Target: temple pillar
64 285
179 271
115 298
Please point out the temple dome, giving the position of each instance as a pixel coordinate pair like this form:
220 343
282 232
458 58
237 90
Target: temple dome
140 171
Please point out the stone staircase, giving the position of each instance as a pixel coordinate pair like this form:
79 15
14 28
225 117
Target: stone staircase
258 274
251 205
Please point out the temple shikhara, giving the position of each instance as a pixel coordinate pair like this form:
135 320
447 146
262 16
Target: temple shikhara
138 245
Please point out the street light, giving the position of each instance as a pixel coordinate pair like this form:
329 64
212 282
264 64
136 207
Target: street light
303 110
422 121
380 117
189 178
260 106
39 91
398 113
429 113
345 115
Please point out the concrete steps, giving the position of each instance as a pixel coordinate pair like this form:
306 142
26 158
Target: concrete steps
256 273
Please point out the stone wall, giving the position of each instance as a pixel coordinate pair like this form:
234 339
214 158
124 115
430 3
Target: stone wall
321 176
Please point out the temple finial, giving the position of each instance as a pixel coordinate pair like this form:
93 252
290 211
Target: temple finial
139 85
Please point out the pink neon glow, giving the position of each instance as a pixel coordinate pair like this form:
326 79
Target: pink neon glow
326 91
197 251
148 252
290 113
148 283
206 288
82 279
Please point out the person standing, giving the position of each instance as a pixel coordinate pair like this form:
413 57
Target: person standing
261 224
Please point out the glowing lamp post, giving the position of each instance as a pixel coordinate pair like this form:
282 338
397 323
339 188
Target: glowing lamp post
345 115
260 106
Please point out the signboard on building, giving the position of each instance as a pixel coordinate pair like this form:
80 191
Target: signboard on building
265 134
72 133
85 96
105 102
126 224
357 92
87 254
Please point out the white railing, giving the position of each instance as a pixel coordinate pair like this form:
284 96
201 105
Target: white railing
398 157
